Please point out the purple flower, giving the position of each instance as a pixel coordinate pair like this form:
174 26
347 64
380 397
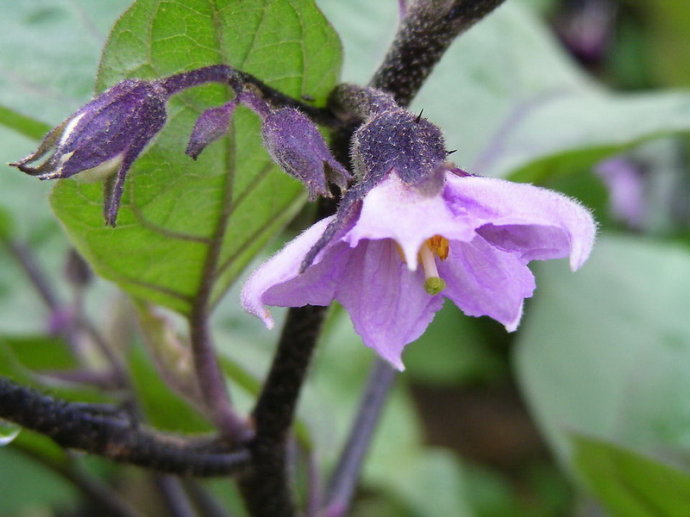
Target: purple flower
405 249
103 138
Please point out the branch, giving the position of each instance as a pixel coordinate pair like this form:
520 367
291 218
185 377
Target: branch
93 430
344 480
237 80
427 30
266 488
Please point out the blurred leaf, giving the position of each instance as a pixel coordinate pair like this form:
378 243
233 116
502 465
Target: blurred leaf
163 408
6 224
429 482
452 350
628 483
23 357
668 30
49 57
26 484
175 210
510 100
39 352
606 351
50 53
583 129
22 124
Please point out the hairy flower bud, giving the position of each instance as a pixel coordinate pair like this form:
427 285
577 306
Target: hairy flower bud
210 126
102 139
400 141
295 144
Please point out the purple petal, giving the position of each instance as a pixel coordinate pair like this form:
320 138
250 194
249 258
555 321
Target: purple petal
386 301
278 282
484 281
536 223
401 212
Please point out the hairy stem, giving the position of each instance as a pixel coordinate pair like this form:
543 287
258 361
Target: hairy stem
106 432
238 80
425 33
344 480
266 487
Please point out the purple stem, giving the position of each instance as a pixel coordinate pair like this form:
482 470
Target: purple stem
344 479
174 496
239 81
39 280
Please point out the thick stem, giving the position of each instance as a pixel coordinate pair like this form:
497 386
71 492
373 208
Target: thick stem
422 38
425 33
107 433
344 480
266 488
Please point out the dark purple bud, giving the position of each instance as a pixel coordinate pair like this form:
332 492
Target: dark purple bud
210 126
102 139
401 142
295 144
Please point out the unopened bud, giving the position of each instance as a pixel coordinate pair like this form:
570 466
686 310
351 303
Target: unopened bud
295 144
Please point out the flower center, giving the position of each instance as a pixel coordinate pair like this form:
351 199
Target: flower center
438 246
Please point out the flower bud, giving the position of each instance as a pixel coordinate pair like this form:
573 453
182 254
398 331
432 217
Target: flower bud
294 143
397 140
102 138
210 126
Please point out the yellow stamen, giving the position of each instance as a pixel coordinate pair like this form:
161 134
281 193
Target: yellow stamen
439 245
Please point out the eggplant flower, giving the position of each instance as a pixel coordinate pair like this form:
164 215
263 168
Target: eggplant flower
405 249
102 139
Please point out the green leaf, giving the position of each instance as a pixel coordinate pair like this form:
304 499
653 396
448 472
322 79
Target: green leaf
50 53
6 224
628 483
23 357
429 482
28 484
22 124
606 351
39 352
176 211
163 408
452 350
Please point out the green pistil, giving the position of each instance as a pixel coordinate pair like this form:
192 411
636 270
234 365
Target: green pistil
434 285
